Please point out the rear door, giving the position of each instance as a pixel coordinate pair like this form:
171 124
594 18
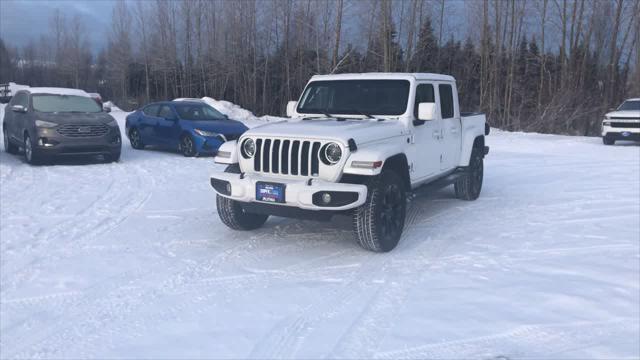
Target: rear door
426 147
147 123
167 131
451 126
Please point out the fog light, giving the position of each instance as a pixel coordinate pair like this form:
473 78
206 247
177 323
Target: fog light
326 198
228 188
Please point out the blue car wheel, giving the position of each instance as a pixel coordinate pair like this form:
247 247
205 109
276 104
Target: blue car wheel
187 147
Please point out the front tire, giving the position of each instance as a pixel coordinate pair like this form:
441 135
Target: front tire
187 146
31 154
607 140
469 187
231 212
8 146
379 222
135 139
113 157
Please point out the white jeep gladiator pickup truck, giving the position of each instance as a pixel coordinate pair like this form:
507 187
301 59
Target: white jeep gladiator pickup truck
622 123
356 144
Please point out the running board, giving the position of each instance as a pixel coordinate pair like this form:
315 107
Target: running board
440 183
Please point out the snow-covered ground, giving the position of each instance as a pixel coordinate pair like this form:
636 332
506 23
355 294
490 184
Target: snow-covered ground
130 260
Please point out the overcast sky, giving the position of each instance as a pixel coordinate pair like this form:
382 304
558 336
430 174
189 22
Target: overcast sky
23 20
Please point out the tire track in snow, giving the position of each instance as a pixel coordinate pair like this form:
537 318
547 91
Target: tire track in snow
287 338
79 232
109 306
551 340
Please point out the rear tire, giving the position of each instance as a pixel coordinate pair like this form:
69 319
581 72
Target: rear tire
379 222
8 146
607 140
469 187
135 139
231 212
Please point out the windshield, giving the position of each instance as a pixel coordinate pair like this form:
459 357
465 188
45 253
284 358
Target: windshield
198 112
50 103
630 105
373 97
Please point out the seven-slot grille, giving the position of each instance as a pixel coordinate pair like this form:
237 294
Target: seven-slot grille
78 130
288 157
628 125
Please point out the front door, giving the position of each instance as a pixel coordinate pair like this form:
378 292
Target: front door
426 143
167 130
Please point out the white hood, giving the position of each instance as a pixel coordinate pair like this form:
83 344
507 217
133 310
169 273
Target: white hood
633 114
361 130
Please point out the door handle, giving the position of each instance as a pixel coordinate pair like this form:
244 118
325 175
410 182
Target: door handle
454 129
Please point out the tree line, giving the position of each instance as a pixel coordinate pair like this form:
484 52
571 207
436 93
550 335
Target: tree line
550 66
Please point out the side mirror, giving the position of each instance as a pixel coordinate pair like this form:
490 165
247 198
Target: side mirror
106 108
291 108
426 111
19 108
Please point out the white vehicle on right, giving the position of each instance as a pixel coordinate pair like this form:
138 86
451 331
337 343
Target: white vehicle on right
623 123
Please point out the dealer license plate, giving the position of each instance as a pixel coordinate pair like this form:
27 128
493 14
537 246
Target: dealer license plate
270 192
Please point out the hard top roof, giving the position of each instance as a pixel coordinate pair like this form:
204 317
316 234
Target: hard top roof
385 76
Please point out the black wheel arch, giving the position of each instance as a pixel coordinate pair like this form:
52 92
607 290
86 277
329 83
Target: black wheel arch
400 165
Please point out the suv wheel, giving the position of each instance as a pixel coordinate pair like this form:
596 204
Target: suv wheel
187 147
31 154
379 222
135 139
469 187
605 140
233 215
113 157
8 146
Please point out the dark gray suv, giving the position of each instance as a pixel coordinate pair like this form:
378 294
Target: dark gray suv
50 122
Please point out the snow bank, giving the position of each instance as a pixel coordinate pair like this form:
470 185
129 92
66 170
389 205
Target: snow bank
112 106
236 112
13 87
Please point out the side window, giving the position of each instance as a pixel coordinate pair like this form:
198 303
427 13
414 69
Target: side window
424 94
166 112
151 110
20 98
446 100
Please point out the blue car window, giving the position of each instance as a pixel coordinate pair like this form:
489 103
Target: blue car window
165 112
198 112
151 110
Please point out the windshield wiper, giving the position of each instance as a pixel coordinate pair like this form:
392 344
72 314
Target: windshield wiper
364 113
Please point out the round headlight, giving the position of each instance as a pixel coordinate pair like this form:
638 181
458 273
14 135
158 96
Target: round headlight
332 153
248 148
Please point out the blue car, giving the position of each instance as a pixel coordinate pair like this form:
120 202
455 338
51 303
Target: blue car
192 127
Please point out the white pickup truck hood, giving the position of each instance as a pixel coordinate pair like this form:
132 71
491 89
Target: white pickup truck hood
632 114
361 130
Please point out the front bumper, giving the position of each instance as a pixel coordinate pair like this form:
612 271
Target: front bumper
622 133
299 193
50 143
